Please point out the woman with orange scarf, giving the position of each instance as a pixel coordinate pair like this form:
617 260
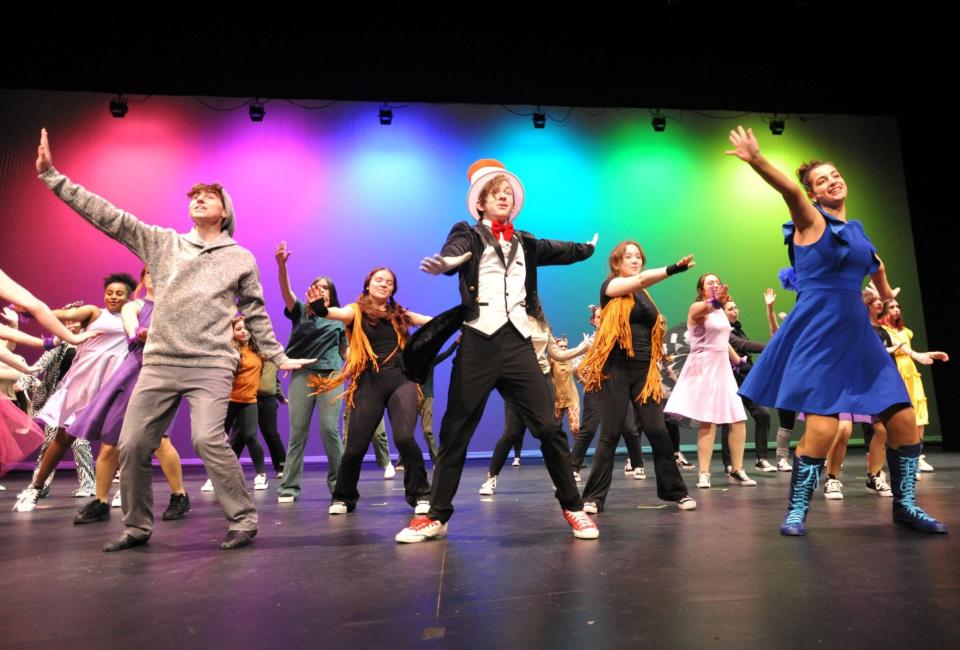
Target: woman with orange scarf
377 328
622 365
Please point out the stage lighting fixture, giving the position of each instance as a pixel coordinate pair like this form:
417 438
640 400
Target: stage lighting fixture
539 120
257 111
776 126
659 123
118 107
386 115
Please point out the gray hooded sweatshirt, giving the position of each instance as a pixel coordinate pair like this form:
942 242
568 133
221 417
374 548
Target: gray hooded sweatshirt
199 286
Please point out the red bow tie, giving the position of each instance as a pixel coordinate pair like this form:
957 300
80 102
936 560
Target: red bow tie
505 229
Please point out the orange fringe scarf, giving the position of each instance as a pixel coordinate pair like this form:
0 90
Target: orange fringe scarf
615 330
359 358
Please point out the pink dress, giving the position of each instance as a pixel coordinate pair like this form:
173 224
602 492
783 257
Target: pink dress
96 360
706 389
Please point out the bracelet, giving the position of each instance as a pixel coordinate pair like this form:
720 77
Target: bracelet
48 343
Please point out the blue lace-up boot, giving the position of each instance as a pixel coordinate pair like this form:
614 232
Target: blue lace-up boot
903 478
804 480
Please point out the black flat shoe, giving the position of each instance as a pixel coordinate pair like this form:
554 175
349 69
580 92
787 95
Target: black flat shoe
125 542
237 539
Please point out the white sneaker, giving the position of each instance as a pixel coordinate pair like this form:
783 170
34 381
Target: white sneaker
389 472
924 465
286 498
763 465
576 477
783 465
627 468
338 508
590 507
682 461
489 486
27 500
740 478
703 480
116 477
83 493
420 530
516 461
833 489
116 503
207 487
686 503
260 482
423 507
639 474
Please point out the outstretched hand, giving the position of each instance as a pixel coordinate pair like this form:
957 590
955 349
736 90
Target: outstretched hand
593 242
685 263
281 254
296 364
44 158
769 297
745 145
437 264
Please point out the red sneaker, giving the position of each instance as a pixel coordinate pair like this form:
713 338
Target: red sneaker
582 525
420 530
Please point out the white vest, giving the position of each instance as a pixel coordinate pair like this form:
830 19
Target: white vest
502 292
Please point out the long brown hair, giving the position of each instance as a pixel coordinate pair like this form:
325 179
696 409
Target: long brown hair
396 314
252 341
616 256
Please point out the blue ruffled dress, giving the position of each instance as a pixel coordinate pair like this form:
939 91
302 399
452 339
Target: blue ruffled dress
826 358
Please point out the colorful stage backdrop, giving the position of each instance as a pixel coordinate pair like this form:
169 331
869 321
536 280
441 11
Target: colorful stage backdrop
348 194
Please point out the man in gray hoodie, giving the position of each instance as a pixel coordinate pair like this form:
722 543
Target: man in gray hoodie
201 279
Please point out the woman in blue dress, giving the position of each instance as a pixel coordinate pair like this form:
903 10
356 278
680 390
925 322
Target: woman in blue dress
826 359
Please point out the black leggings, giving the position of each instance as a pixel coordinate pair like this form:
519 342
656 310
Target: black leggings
241 427
626 381
267 406
376 391
590 422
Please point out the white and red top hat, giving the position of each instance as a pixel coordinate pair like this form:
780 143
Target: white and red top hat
480 173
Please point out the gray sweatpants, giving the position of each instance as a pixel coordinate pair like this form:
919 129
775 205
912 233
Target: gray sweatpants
152 406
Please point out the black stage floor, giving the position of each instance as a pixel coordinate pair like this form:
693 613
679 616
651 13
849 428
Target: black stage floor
510 574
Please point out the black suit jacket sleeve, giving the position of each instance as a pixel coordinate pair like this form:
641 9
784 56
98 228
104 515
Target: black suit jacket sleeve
744 346
551 252
459 241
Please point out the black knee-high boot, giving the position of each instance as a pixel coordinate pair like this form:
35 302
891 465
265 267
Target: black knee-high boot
903 464
803 481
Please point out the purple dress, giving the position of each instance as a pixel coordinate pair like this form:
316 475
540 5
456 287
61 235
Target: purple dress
102 418
706 389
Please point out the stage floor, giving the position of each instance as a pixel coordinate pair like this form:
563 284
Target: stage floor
509 574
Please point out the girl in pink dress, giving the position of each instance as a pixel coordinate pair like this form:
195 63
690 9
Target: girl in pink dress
706 390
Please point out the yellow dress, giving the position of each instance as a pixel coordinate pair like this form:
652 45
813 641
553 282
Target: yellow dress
908 370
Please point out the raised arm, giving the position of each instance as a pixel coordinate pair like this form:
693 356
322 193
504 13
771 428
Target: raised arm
624 286
282 254
342 314
770 298
745 147
142 240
